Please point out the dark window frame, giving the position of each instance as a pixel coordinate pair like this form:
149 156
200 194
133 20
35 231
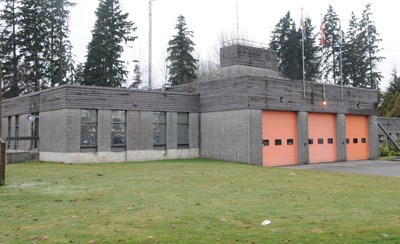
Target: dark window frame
121 124
183 127
16 131
320 141
265 142
160 124
330 140
278 142
9 131
290 142
93 135
355 140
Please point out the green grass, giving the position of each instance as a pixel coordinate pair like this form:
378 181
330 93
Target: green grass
194 201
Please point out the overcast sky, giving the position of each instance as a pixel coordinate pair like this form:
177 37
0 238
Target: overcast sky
209 18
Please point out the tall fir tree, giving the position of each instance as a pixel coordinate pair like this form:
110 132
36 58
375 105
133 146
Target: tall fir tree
330 53
104 66
351 55
311 52
32 36
9 48
58 49
285 40
394 83
369 41
137 79
182 64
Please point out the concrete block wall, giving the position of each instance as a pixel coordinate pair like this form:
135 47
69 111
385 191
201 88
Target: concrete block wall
302 138
341 137
232 135
61 139
373 139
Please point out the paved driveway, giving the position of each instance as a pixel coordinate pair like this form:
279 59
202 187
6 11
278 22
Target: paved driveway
370 167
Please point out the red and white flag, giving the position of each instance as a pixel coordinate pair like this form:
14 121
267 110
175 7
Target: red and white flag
323 38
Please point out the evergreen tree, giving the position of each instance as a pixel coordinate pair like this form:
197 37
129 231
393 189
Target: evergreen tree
182 65
394 83
351 55
58 49
137 79
32 36
330 53
9 18
311 50
104 66
286 41
368 41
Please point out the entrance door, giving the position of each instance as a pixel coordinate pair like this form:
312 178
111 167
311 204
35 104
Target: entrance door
279 138
322 137
356 137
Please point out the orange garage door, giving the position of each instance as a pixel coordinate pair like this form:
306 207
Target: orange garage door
322 137
356 137
279 138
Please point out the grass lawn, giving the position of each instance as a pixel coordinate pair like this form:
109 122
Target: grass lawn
194 201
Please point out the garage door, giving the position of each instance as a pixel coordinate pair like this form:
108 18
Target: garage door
322 137
279 138
356 137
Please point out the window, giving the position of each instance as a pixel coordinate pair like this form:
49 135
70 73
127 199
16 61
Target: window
118 128
381 138
265 142
183 129
88 128
159 128
320 141
16 131
355 140
347 140
397 136
363 140
9 132
330 140
310 141
289 142
278 142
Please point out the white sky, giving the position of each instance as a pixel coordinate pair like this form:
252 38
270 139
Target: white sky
209 18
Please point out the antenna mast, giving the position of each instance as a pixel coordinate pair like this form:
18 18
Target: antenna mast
150 43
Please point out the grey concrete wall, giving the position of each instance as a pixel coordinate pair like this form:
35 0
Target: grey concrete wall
194 130
392 126
341 137
248 56
302 138
73 132
142 127
102 98
225 135
25 129
240 70
104 131
18 157
373 140
53 131
262 93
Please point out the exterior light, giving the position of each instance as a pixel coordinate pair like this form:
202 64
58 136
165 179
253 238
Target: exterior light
325 102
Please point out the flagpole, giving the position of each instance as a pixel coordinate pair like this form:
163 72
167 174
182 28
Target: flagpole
341 73
324 80
302 47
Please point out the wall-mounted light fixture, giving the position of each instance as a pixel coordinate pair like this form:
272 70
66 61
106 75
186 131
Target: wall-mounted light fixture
324 102
281 99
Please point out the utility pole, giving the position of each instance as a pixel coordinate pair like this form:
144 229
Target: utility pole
150 43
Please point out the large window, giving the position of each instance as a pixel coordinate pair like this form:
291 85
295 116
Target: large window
183 129
88 128
118 128
159 128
